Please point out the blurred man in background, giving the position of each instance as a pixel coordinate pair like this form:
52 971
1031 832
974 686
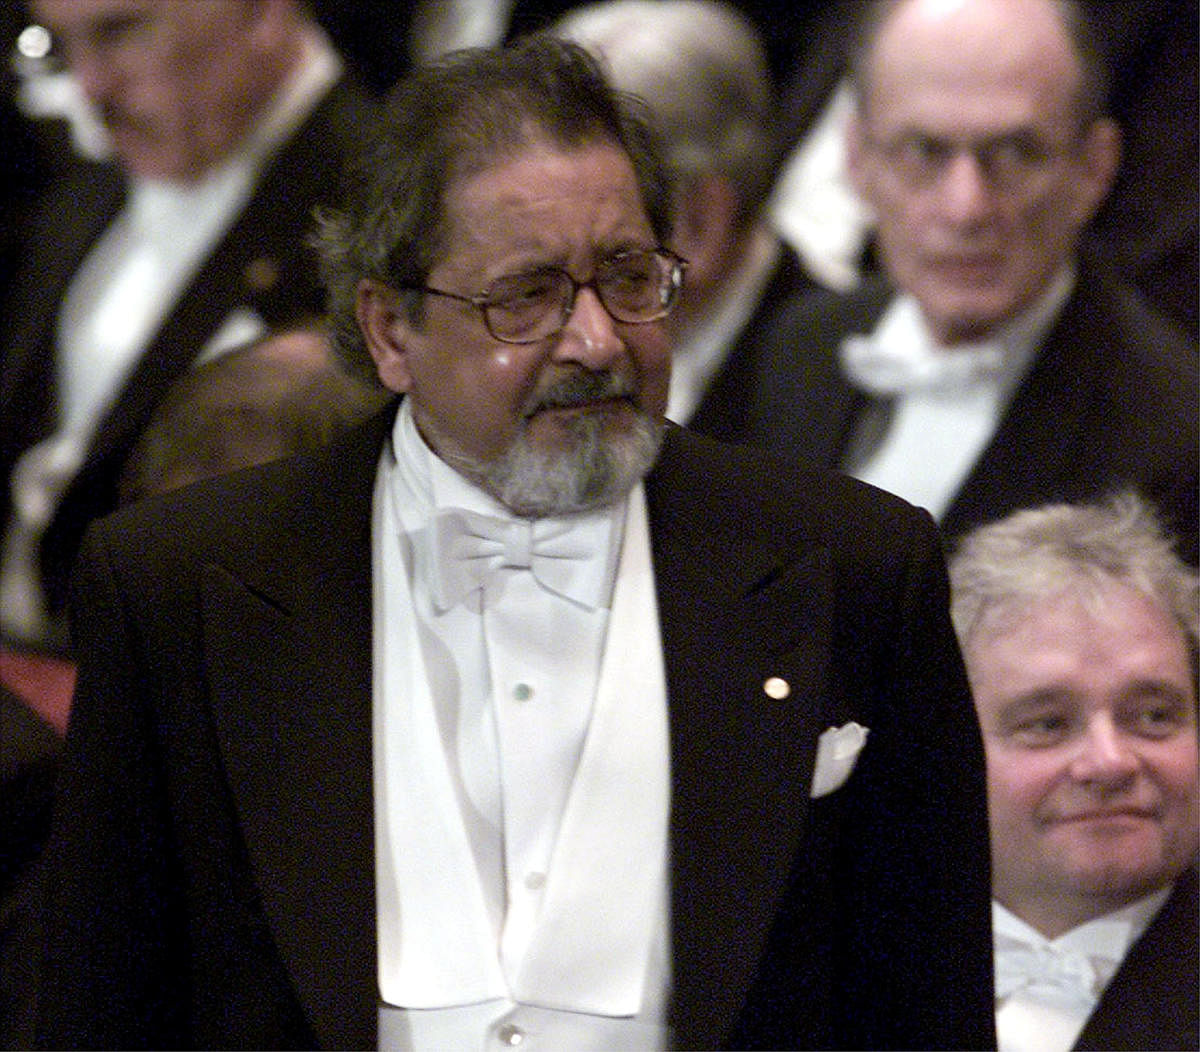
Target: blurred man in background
226 121
994 366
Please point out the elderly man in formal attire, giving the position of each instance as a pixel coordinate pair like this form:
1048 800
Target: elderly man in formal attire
1079 628
994 365
226 121
518 715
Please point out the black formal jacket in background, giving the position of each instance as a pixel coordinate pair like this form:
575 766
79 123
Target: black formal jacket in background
722 411
1153 1002
1110 401
262 263
212 857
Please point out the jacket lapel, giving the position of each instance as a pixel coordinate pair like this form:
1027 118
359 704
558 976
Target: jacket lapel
1039 451
737 609
67 228
295 734
1152 997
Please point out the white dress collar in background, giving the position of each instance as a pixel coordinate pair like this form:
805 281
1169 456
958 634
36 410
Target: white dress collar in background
1047 988
947 401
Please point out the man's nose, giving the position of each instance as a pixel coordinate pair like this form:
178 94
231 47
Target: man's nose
966 193
1105 754
590 336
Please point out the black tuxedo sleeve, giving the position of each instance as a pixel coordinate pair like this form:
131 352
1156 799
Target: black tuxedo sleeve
153 934
107 973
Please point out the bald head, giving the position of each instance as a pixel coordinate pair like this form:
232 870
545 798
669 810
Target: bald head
1053 35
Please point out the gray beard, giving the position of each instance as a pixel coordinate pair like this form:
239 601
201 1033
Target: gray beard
596 470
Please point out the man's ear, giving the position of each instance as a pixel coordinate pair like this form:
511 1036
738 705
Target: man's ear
1100 157
386 331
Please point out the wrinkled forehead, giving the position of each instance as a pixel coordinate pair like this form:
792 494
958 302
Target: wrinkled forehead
478 147
496 167
550 193
1078 603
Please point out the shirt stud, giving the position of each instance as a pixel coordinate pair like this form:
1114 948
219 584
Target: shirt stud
510 1035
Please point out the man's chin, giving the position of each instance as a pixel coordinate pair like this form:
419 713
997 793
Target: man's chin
966 315
573 461
1120 871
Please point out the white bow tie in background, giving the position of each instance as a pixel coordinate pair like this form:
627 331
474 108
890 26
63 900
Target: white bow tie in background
567 558
1020 966
884 367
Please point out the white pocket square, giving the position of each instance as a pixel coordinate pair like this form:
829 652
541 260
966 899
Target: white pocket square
837 753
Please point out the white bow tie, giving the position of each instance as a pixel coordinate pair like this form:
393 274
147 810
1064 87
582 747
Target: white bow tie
567 558
1020 966
881 368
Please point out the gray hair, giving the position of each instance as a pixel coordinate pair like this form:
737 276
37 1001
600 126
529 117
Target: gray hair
1039 553
448 120
701 67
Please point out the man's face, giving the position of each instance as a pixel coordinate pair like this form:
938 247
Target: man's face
970 150
177 83
1089 722
481 404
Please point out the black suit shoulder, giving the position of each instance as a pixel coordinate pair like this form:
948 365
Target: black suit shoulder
734 511
1152 1001
750 497
728 406
804 409
255 519
1109 403
749 485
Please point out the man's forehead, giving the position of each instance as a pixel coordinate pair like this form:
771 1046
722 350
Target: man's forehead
91 13
940 63
525 174
974 117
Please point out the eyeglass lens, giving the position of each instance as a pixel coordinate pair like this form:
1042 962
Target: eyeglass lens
633 287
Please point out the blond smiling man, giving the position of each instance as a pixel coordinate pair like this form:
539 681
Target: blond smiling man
1079 627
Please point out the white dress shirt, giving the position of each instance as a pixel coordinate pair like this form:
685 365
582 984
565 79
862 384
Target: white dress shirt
1047 988
948 400
813 204
117 300
520 761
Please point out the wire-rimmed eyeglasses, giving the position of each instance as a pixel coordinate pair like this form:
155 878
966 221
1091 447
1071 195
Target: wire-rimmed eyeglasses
636 286
1013 163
